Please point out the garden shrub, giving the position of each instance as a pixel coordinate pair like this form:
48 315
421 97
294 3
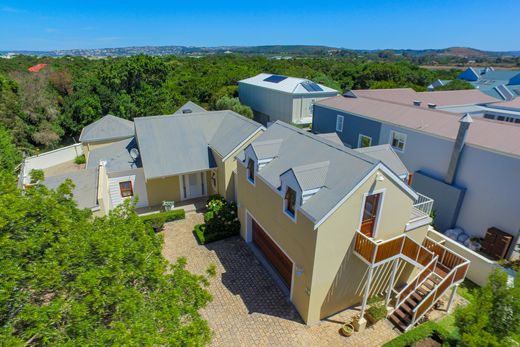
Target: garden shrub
157 220
36 175
220 221
80 159
377 309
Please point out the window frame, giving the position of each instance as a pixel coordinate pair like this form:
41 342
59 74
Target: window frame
392 133
286 210
251 176
123 191
338 117
360 137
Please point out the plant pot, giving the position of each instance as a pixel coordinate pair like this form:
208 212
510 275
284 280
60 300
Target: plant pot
347 330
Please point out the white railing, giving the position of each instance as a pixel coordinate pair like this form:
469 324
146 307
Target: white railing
423 205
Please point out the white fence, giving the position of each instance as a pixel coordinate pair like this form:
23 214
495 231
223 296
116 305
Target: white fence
49 159
423 205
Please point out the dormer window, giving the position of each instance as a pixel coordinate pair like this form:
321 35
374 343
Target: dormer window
251 170
290 202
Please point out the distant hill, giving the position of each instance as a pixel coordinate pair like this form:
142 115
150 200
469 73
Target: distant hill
297 50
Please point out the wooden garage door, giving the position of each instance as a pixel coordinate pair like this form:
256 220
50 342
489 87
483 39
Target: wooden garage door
273 253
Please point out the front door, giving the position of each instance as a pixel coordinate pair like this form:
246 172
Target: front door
193 185
370 211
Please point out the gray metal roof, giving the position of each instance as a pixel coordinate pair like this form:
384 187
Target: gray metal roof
107 128
171 145
190 107
387 155
86 182
267 149
116 155
291 85
300 151
332 137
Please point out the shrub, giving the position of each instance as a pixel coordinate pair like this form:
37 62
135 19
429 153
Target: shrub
377 310
80 159
36 175
157 220
423 331
220 221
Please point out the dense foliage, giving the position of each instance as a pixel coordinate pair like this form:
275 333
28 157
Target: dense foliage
9 155
220 221
456 85
68 279
46 109
423 331
493 317
157 220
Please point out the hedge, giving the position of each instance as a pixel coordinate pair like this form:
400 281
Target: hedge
220 221
157 220
422 332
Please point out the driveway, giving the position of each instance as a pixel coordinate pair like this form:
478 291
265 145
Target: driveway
248 308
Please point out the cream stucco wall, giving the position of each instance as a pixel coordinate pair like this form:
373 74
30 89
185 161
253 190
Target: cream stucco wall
161 189
102 193
333 276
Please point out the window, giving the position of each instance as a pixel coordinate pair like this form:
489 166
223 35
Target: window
398 140
290 202
126 189
339 123
251 170
364 141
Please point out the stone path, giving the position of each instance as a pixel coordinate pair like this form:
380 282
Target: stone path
248 308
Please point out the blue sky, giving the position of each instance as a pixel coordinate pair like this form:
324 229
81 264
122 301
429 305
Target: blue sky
48 25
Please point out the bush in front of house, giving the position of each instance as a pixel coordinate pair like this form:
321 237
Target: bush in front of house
80 159
157 220
423 331
220 221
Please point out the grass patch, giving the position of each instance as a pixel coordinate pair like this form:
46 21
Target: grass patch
157 220
423 331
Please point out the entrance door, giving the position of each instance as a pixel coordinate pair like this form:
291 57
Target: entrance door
273 253
370 211
193 185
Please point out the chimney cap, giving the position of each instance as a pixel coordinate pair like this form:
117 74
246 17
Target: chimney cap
466 119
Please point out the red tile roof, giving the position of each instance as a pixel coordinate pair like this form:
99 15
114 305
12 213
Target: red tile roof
37 68
497 136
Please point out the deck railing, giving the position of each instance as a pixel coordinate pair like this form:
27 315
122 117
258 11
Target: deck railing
417 282
423 205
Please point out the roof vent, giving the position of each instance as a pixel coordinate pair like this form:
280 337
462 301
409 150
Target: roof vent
187 110
134 153
417 103
432 105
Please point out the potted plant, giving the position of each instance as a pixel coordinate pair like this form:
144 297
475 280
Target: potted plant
376 311
347 329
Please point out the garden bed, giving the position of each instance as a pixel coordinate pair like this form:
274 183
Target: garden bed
420 336
220 221
157 220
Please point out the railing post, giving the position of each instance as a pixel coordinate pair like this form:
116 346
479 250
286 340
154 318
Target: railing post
452 296
391 284
367 292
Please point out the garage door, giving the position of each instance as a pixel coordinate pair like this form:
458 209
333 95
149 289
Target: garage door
273 253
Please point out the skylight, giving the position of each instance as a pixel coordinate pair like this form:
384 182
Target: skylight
275 78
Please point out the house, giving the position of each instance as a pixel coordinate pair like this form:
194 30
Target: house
469 166
187 155
500 84
337 226
276 97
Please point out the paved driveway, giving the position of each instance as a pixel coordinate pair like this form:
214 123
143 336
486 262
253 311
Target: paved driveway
248 308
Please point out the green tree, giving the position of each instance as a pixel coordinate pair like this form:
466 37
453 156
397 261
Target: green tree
68 279
10 157
456 84
493 318
233 104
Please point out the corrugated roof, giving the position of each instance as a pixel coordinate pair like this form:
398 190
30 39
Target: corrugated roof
498 136
116 155
291 85
190 107
300 150
107 128
440 98
311 176
267 149
85 181
171 145
500 75
387 155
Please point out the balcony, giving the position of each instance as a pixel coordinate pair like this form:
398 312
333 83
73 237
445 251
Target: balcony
422 207
440 270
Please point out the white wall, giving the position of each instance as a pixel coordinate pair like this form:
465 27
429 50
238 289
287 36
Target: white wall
138 185
51 158
277 105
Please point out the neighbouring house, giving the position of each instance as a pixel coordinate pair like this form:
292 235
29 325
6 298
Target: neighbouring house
337 226
276 97
470 167
437 83
500 84
184 156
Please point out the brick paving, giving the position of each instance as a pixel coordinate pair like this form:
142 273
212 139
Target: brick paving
248 308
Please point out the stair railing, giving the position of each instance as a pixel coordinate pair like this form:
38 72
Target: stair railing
417 282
